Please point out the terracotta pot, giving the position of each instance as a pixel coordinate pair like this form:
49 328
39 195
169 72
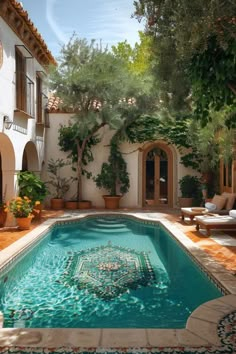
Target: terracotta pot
185 202
84 204
57 203
24 223
112 202
3 217
71 204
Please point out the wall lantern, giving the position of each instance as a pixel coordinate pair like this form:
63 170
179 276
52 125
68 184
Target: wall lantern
7 122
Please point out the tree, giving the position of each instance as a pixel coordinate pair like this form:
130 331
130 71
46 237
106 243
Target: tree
213 78
189 23
114 173
138 58
97 88
193 40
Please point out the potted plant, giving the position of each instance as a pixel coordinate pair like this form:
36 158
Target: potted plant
114 178
59 183
22 209
31 186
190 190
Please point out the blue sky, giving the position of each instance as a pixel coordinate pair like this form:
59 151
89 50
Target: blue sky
106 20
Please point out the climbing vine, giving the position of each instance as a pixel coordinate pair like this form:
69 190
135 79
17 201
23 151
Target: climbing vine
213 78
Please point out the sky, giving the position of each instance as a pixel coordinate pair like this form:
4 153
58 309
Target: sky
108 21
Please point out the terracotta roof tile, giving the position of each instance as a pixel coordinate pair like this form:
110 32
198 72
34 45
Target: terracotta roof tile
53 104
29 24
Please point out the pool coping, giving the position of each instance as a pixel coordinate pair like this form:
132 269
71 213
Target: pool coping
201 328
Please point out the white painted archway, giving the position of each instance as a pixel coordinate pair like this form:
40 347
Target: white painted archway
30 159
8 167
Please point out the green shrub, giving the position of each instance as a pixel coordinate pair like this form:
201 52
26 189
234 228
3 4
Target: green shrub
31 186
190 186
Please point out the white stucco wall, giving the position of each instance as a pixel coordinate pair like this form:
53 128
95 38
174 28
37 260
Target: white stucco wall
23 129
132 155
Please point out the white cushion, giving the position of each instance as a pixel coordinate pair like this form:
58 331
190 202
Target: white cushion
232 213
210 206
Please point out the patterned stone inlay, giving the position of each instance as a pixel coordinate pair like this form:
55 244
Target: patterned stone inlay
108 271
226 332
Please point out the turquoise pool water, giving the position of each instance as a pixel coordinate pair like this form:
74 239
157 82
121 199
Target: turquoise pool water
104 272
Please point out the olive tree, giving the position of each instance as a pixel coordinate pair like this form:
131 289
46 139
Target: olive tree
96 86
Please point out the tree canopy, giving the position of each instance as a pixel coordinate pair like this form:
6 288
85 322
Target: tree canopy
194 43
97 88
137 58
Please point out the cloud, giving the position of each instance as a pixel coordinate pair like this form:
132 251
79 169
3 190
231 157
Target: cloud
52 22
106 20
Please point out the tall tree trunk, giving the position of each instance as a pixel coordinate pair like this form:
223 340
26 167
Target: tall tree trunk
80 152
79 172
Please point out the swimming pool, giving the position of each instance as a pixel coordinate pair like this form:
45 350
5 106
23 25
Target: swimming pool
104 272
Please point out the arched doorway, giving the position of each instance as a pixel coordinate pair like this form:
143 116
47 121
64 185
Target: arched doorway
30 160
158 175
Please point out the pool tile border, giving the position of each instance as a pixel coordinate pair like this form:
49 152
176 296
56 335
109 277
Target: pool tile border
202 328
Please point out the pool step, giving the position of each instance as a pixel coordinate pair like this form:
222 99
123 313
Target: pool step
102 226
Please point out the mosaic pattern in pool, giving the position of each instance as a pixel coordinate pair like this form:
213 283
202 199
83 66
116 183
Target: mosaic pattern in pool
108 271
226 332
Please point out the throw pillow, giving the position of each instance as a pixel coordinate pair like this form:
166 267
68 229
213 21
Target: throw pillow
230 200
219 201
